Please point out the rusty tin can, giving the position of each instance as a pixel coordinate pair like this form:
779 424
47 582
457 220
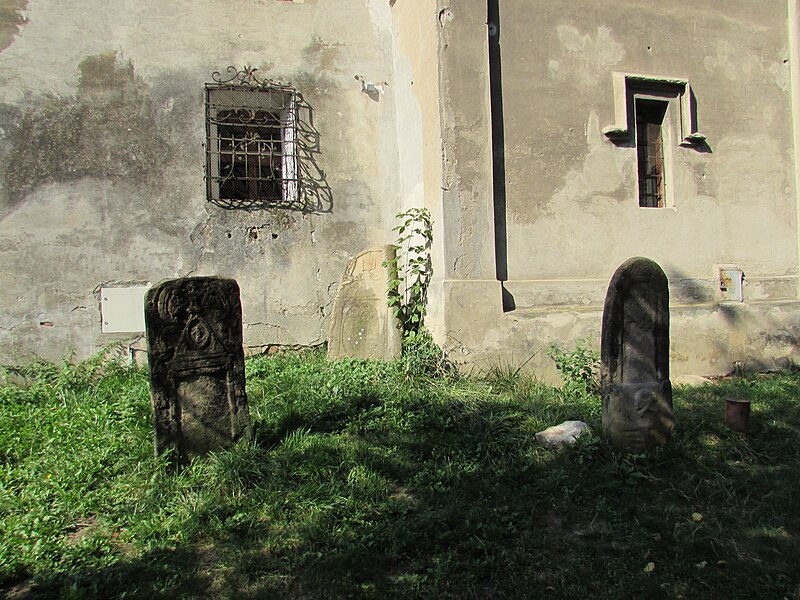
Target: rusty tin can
737 414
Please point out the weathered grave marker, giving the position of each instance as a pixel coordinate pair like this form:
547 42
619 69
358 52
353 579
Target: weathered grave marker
197 385
363 325
634 355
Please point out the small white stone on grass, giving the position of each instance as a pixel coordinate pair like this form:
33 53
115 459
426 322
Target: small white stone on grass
692 380
562 435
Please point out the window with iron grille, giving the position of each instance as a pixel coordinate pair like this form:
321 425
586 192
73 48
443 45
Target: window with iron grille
251 154
650 152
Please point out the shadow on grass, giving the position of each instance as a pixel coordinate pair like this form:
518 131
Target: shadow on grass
434 494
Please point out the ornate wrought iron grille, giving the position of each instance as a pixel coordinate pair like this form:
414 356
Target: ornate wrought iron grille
251 140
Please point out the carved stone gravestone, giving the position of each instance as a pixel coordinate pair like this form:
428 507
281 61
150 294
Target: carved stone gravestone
197 385
634 354
363 325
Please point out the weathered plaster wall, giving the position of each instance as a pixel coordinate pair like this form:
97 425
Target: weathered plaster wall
736 195
101 165
417 28
470 325
101 142
464 87
571 210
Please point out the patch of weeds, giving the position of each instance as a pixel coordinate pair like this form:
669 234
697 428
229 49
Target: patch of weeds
506 378
579 368
410 270
422 357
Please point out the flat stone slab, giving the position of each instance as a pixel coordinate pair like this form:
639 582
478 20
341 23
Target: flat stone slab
565 434
363 325
196 363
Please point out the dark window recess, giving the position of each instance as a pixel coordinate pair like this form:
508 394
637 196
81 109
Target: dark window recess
251 156
650 152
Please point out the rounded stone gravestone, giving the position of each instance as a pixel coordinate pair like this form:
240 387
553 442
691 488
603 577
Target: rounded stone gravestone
634 355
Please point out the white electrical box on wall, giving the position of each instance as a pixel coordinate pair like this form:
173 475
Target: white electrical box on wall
731 283
122 308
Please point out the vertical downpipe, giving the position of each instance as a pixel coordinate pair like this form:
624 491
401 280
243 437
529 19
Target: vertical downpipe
498 149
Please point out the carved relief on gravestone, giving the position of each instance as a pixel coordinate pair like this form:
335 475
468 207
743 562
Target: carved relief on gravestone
363 325
634 354
197 383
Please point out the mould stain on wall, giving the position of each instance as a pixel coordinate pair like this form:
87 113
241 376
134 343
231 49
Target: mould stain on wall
108 130
583 57
324 55
11 20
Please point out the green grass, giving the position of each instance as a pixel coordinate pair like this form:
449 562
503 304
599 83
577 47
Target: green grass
365 481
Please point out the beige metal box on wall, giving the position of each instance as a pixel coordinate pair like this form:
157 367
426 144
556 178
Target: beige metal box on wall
122 308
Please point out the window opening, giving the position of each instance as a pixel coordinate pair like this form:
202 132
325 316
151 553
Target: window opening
654 114
251 154
650 152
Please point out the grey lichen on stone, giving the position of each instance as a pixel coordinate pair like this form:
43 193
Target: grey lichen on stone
634 354
197 381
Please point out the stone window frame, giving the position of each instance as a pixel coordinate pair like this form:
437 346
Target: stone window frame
243 114
678 126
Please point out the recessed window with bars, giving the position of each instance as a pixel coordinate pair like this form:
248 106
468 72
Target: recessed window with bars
650 152
251 154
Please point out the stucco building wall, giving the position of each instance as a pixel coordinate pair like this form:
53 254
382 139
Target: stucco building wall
417 25
493 114
566 182
102 133
568 209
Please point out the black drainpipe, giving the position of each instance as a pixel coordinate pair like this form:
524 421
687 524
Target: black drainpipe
498 149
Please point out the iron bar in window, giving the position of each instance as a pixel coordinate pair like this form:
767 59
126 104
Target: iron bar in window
650 152
251 154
